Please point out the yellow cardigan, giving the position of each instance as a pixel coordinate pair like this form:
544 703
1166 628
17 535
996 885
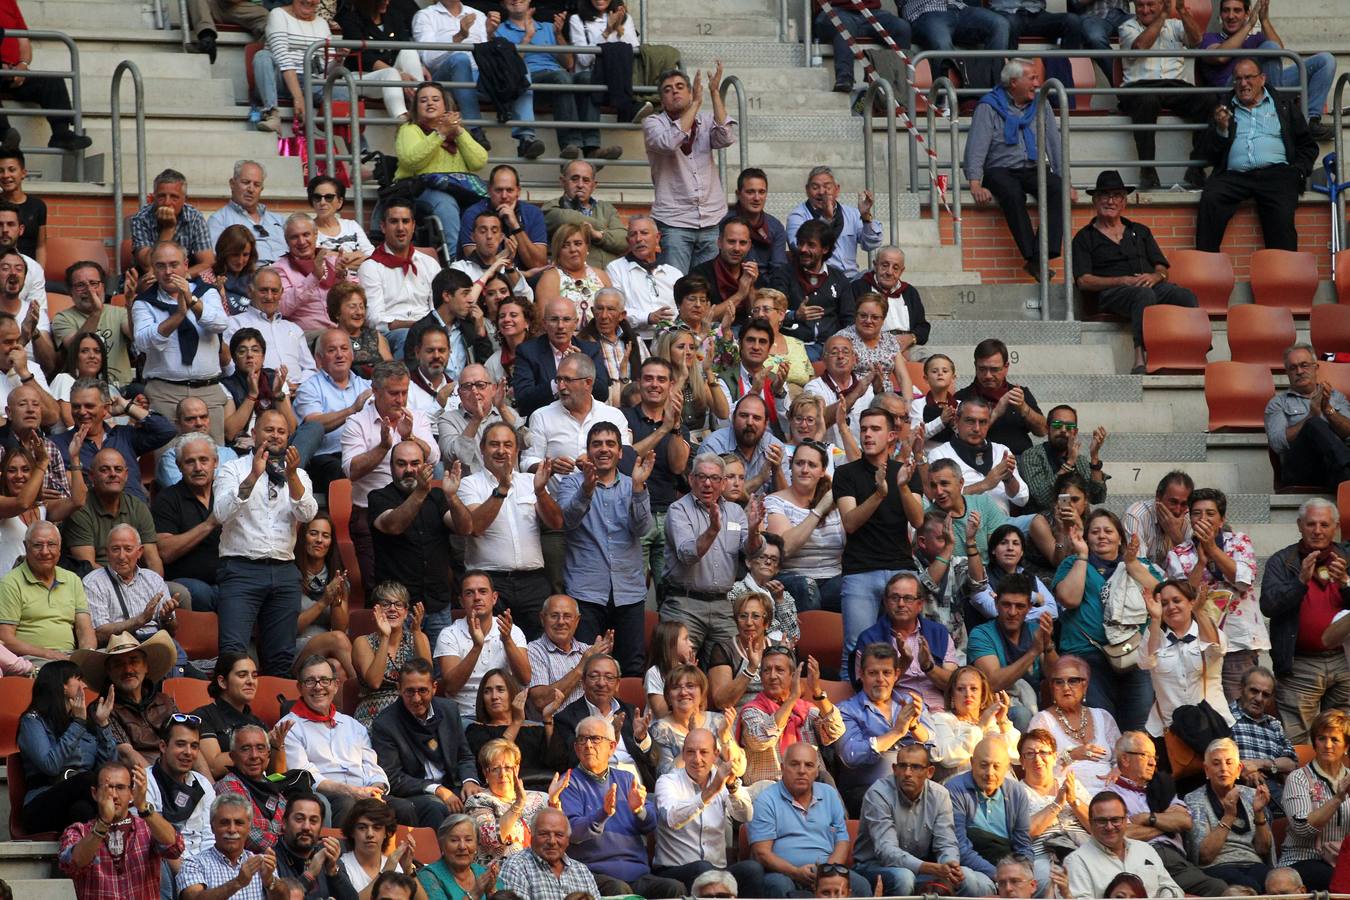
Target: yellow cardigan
420 152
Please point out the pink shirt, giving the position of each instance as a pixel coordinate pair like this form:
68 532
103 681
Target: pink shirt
361 433
304 298
689 193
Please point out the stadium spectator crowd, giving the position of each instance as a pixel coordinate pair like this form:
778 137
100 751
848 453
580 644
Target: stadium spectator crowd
628 558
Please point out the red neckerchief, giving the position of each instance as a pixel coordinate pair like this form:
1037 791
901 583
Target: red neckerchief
759 231
811 281
303 710
768 398
838 391
384 257
1130 785
727 281
792 728
871 279
687 145
950 402
996 394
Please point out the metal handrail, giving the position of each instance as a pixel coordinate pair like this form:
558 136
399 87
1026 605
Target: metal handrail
307 85
142 182
76 111
883 87
1111 54
1338 140
743 138
187 30
353 143
945 87
1055 86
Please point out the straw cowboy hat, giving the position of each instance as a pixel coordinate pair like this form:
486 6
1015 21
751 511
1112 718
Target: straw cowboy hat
160 656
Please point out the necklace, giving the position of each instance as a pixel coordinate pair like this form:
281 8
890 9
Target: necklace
1081 732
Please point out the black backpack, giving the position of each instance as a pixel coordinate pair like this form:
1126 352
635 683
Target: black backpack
501 73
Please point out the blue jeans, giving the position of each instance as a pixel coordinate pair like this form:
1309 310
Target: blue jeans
458 66
684 248
396 337
860 602
1097 33
1067 28
307 440
444 207
1283 73
204 596
858 27
899 882
268 593
814 593
571 107
272 87
778 885
1127 696
971 26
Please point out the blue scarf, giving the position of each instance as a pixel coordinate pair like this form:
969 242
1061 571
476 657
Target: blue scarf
1014 122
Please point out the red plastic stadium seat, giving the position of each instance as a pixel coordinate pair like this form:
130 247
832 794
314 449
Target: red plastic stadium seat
839 691
631 691
265 704
1236 394
340 508
360 622
428 849
1208 275
57 303
187 693
198 633
1177 339
62 252
1343 504
1260 334
1337 375
1343 277
1285 278
823 638
15 695
1200 12
1329 324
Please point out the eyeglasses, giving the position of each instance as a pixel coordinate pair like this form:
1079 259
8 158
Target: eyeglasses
475 385
607 677
750 617
317 681
593 740
1074 681
391 604
326 198
260 231
1044 754
1112 822
868 317
989 370
903 598
501 770
910 767
1142 754
704 476
1057 425
185 719
566 379
1299 367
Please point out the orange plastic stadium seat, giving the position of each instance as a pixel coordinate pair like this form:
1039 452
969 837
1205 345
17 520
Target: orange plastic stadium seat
1343 504
1209 275
15 695
58 303
187 693
1177 338
1285 278
198 634
340 508
1260 334
1236 394
1343 277
62 252
1329 325
823 638
1337 375
631 691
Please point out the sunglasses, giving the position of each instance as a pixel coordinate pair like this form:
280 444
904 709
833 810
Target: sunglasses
185 719
326 198
260 231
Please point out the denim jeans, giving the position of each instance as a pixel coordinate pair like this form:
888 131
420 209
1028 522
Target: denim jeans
900 882
858 27
396 337
571 107
1127 696
272 87
970 25
204 596
1097 32
307 440
265 592
814 593
860 602
1282 72
435 622
458 66
684 248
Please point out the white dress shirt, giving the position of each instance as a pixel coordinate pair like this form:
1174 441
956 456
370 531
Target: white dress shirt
34 291
1172 37
263 525
340 753
362 432
1185 670
162 357
644 292
998 493
687 829
196 831
9 381
456 641
426 404
475 269
392 295
556 432
511 542
819 387
1092 867
437 25
285 341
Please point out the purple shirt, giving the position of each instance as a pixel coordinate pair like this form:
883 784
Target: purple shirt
689 193
1211 74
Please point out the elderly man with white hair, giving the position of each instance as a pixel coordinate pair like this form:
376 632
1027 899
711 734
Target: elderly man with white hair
905 315
186 530
715 883
1284 881
1231 836
226 868
1001 155
43 610
648 286
545 871
1307 425
1302 589
125 597
245 208
284 340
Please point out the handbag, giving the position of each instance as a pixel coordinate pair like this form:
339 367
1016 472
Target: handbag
465 188
1194 726
1123 601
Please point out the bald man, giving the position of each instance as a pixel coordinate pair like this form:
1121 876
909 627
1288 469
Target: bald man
109 505
983 837
125 597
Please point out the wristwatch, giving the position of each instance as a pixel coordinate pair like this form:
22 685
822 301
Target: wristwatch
146 810
1152 820
499 493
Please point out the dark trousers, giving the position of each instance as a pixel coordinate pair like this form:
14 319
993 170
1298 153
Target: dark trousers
857 27
653 887
1127 696
1253 875
628 623
324 469
46 93
61 805
1143 109
265 593
1275 190
1191 878
364 545
524 593
1067 28
749 875
1317 456
1316 874
1011 188
1130 302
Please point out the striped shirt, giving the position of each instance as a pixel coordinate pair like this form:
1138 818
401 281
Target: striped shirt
287 38
1305 790
916 8
1153 68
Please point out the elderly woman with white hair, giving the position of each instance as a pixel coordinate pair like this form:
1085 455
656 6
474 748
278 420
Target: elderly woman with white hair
1001 154
307 274
1231 836
714 883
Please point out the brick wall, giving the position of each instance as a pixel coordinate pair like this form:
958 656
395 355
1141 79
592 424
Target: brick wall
989 249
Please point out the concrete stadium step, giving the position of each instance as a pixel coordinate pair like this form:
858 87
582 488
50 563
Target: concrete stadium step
1036 359
43 889
696 53
31 860
88 13
1136 476
712 9
673 28
1122 418
1135 447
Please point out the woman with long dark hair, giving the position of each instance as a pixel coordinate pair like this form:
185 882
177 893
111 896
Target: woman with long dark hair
62 740
87 357
322 624
232 272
